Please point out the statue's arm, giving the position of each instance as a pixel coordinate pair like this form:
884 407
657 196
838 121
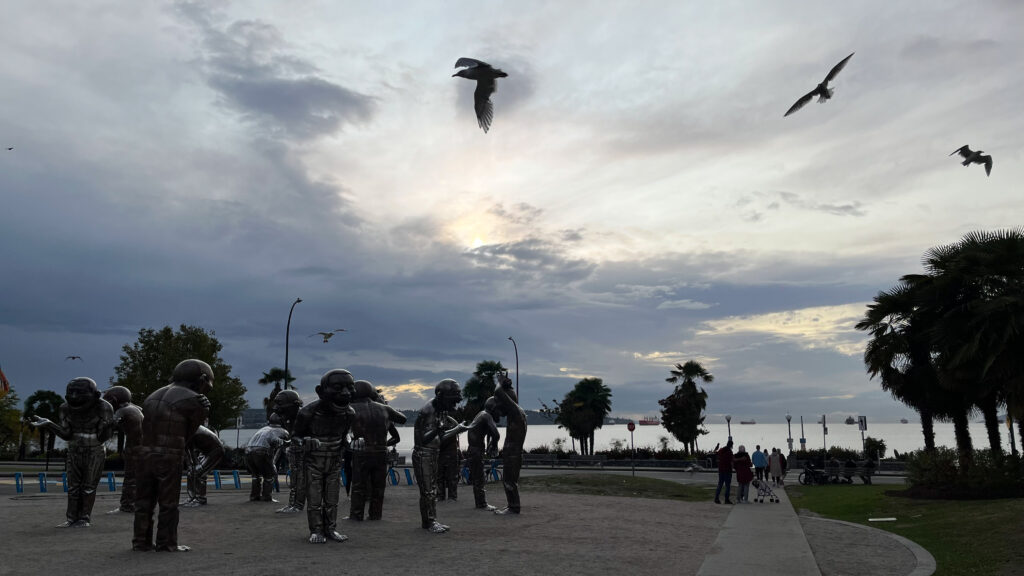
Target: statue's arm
395 416
62 430
105 429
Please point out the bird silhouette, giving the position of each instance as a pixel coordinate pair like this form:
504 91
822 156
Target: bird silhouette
975 157
822 91
486 83
9 148
326 335
74 358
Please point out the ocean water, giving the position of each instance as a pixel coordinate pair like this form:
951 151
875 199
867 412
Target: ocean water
901 437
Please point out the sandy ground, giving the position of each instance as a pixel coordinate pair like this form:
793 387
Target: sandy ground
556 534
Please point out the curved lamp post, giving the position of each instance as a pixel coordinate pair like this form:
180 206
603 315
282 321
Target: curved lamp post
287 332
728 424
516 348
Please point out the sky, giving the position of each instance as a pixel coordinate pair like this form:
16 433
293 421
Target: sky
639 201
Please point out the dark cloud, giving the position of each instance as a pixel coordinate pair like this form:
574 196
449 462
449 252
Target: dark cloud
249 64
533 257
756 206
521 213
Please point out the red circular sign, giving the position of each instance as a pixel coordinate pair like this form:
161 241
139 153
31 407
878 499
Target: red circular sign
631 426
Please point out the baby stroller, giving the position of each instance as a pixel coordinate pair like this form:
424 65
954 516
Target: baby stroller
764 490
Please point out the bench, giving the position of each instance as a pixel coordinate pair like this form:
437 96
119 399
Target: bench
540 459
841 473
597 460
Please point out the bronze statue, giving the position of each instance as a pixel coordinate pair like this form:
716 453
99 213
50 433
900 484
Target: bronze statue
393 437
370 450
286 404
482 427
448 463
427 437
203 452
515 436
260 455
320 428
172 416
86 421
128 422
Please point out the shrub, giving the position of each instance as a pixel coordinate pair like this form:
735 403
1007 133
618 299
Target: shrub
937 474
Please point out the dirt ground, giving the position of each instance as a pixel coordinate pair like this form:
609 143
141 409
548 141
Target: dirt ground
556 534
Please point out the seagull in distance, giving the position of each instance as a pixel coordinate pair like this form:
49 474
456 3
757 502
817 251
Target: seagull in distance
74 358
9 148
975 157
486 83
326 335
822 91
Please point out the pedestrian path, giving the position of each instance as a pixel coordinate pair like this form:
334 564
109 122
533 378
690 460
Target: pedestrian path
763 539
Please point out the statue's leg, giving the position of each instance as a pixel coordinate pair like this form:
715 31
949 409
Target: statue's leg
357 504
254 472
452 476
128 483
75 465
424 464
93 469
297 479
376 475
512 464
476 476
332 492
268 473
168 475
147 489
315 473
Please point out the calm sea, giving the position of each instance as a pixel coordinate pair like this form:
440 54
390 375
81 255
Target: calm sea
901 437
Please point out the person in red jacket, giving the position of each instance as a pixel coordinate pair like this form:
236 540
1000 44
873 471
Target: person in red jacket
724 472
744 475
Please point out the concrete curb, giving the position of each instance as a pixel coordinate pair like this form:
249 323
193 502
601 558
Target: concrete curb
926 565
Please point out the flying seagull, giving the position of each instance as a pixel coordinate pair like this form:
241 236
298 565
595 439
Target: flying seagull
486 83
74 358
822 91
975 157
326 335
9 148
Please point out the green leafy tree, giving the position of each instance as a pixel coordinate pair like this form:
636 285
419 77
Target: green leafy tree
148 364
682 412
10 421
874 448
45 404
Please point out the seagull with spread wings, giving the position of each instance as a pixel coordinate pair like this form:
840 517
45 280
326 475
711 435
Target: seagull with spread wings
486 84
326 335
822 91
74 358
975 157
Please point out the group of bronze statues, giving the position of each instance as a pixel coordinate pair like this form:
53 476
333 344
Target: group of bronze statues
167 436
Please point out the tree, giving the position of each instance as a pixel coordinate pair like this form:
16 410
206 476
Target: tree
275 376
147 365
682 411
479 387
874 448
45 404
10 421
583 410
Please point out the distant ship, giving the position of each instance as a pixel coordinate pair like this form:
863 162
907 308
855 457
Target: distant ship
650 421
851 420
904 421
747 422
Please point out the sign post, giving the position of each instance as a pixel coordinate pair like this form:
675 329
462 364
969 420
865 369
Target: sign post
862 423
632 447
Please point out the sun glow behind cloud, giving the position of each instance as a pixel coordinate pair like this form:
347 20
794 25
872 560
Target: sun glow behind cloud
827 327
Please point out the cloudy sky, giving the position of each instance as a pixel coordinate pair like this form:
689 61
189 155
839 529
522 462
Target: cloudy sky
639 201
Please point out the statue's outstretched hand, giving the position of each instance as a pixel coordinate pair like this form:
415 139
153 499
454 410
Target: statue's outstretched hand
37 421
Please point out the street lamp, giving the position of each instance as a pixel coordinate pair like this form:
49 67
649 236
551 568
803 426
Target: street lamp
728 424
789 427
516 348
287 332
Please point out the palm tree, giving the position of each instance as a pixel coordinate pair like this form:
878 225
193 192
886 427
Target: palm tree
682 411
595 400
275 376
478 388
45 404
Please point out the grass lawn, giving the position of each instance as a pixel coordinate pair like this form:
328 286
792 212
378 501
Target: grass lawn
965 536
616 485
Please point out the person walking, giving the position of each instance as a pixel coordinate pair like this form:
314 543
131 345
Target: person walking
775 466
760 460
725 464
744 475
